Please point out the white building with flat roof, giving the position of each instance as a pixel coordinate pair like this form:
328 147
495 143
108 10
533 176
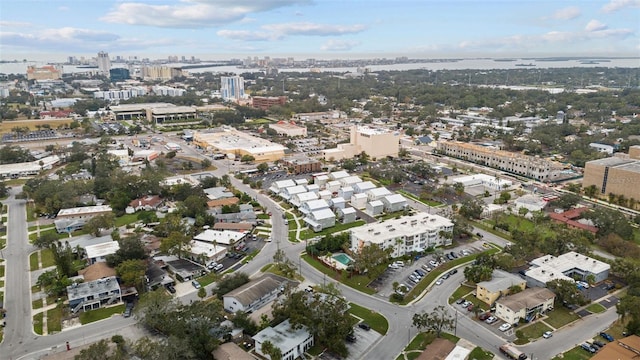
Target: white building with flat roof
292 342
220 237
404 235
85 212
28 168
235 143
567 266
376 142
99 252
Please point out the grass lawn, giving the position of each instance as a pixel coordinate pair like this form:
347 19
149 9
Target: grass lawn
263 216
33 261
577 353
266 267
36 304
31 216
308 233
462 291
535 330
42 227
413 197
420 341
476 302
37 323
358 282
596 308
100 314
454 339
489 229
480 354
47 258
126 219
54 320
636 236
422 285
374 319
1 270
35 289
560 317
208 279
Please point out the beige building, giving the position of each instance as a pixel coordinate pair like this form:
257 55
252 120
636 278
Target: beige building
615 175
499 285
524 165
289 129
236 144
377 143
160 72
525 305
47 72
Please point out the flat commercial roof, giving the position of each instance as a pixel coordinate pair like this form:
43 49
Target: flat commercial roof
222 237
500 280
100 286
77 211
231 140
404 226
283 336
572 260
101 250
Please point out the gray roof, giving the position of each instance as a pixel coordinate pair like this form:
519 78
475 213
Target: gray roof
283 336
256 289
501 280
100 286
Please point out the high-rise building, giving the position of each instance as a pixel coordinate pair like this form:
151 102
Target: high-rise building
232 87
615 175
104 63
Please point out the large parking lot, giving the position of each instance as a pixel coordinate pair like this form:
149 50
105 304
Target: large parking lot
401 274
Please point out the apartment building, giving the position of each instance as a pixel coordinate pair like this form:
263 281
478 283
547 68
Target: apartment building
516 163
302 166
404 235
232 87
615 175
265 102
47 72
376 142
525 305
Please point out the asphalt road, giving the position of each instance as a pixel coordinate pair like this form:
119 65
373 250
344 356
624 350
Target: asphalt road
21 343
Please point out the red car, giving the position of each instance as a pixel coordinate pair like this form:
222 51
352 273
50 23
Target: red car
470 307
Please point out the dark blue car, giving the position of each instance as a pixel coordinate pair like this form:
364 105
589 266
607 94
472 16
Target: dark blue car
606 336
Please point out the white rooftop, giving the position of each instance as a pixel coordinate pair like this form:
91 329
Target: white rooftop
84 210
348 210
283 336
338 175
404 226
395 199
379 192
307 196
284 184
317 204
102 250
571 260
206 248
295 189
350 180
325 213
376 203
223 237
364 186
372 131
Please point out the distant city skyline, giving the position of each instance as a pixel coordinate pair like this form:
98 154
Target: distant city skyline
221 29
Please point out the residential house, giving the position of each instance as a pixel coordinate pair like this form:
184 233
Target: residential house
374 208
292 342
347 215
363 187
320 219
218 203
99 252
146 203
93 294
345 192
313 205
231 351
97 271
337 202
254 294
377 193
350 181
525 305
627 348
499 285
278 186
359 201
289 192
337 175
216 193
394 202
299 199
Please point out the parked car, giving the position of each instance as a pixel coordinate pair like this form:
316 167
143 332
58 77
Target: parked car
504 327
484 316
460 301
491 320
422 273
212 265
470 307
599 344
454 271
364 326
588 348
465 303
445 276
196 284
454 255
309 289
547 334
351 338
439 282
413 278
171 289
218 267
128 310
433 263
606 336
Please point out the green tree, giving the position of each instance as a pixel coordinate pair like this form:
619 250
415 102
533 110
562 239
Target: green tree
247 158
458 188
131 248
229 283
263 167
478 273
471 208
202 293
437 321
566 292
175 244
271 350
367 259
96 224
131 273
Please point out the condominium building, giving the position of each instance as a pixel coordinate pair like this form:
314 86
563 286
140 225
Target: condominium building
516 163
160 72
404 235
376 142
104 63
615 175
265 102
232 87
47 72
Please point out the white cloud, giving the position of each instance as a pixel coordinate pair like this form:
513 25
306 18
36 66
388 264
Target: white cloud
595 25
567 13
615 5
192 13
271 32
339 45
593 30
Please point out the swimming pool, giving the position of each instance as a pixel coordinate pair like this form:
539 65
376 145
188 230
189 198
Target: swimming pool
342 258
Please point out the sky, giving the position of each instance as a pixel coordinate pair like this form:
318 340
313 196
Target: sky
221 29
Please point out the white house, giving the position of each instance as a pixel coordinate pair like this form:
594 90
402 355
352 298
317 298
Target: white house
313 188
345 192
347 215
394 202
530 202
325 194
220 237
375 207
299 199
359 201
313 205
350 181
603 148
567 267
332 186
99 252
377 193
301 181
337 202
287 193
363 187
254 294
94 294
278 186
320 180
292 342
321 219
337 175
